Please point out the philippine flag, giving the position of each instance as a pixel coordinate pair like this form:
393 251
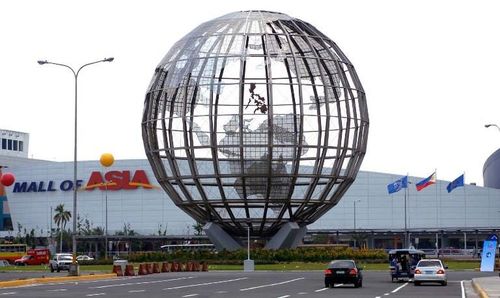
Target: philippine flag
426 182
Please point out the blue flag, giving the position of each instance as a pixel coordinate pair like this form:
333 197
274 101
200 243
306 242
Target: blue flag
398 185
456 183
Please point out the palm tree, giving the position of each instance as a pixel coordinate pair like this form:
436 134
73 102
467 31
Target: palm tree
61 218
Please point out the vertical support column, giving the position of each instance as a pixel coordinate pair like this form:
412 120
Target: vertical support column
220 238
289 236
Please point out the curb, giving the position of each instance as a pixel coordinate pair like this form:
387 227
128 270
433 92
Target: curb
32 281
479 290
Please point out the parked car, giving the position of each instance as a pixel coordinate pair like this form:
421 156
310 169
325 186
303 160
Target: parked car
345 272
35 256
84 258
430 270
4 263
60 262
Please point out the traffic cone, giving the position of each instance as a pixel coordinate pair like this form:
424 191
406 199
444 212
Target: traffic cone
189 266
149 268
142 269
204 267
196 266
156 268
118 270
129 270
165 267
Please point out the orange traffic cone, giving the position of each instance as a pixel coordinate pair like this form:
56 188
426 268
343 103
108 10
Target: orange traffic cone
118 270
165 267
129 270
156 268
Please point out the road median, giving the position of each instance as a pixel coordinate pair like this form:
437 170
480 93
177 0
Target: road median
42 280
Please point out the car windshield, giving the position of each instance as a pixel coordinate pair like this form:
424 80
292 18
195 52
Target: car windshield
429 264
341 264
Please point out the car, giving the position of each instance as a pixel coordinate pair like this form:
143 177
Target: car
430 270
84 258
345 272
60 261
4 263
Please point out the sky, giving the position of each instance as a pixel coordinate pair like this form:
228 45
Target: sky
430 70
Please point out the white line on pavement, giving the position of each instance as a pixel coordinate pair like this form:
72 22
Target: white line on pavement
387 294
221 292
136 291
463 288
57 290
96 294
320 290
302 293
205 284
399 288
271 285
284 296
190 295
9 293
141 283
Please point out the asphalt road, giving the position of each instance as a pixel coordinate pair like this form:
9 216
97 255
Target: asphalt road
240 284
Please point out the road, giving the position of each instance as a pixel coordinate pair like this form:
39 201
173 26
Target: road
240 284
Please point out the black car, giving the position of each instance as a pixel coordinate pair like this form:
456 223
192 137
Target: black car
343 272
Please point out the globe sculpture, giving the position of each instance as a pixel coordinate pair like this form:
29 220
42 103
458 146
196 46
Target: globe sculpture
255 122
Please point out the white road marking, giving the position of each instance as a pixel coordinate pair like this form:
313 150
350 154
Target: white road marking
321 290
221 292
136 291
96 294
285 296
140 283
463 288
398 288
338 285
387 294
57 290
271 285
190 295
205 284
9 293
302 293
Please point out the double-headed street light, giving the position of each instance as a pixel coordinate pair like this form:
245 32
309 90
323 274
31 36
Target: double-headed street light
75 188
492 124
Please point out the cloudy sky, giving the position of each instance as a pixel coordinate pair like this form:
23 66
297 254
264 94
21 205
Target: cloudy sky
430 70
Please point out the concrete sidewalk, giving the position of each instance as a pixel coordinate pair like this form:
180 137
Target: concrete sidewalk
487 286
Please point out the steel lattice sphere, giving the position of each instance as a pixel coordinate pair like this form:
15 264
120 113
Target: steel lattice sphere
255 119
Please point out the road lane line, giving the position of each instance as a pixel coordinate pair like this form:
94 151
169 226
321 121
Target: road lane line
284 296
463 288
57 290
9 293
190 295
399 288
321 290
302 293
272 285
221 292
338 285
140 283
96 294
387 294
205 284
136 291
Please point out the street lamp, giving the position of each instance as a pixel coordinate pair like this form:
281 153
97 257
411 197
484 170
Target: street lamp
492 124
74 268
106 160
355 234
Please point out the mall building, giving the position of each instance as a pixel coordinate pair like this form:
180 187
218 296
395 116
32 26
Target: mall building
366 213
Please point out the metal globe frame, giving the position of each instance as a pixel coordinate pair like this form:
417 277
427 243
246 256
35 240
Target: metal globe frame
253 120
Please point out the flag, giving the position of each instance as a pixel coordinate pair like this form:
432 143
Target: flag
456 183
398 185
426 182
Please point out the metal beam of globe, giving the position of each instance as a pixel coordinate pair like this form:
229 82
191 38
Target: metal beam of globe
492 125
75 188
255 120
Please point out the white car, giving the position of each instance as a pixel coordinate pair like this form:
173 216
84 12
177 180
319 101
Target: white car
60 262
430 270
84 258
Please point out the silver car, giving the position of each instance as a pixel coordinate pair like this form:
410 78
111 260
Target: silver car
430 270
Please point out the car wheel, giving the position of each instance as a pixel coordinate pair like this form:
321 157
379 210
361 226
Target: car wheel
416 283
58 269
444 283
51 268
360 284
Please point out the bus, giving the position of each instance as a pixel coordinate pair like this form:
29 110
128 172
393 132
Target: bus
12 252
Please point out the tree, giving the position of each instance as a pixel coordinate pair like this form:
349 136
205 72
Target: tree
198 229
61 218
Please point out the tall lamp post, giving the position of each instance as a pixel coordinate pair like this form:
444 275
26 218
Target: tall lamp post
107 160
74 270
355 233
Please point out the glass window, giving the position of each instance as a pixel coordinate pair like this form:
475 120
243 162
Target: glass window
9 144
15 145
21 146
4 144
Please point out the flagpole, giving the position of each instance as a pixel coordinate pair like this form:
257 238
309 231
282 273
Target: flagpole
465 203
406 228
